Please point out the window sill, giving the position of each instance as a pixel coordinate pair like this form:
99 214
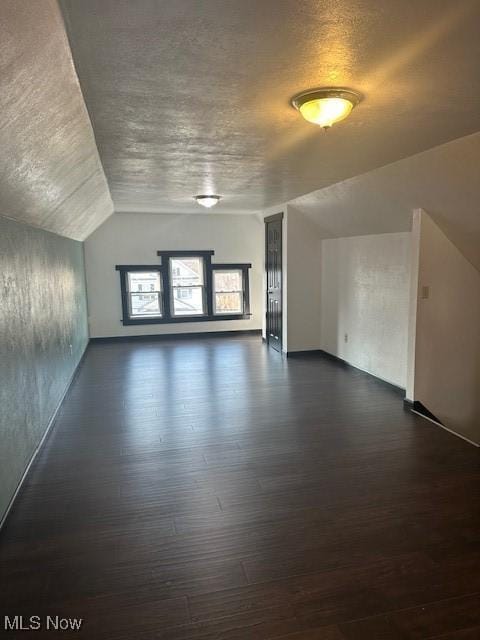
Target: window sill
135 321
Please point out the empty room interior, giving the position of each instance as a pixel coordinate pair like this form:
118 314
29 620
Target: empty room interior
240 319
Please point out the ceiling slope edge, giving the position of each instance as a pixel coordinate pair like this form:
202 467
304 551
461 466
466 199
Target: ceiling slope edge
52 177
443 181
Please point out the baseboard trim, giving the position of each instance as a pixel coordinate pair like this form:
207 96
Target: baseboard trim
394 387
177 336
307 352
43 439
420 410
411 405
340 361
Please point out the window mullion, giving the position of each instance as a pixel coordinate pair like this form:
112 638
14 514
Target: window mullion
167 314
246 291
209 285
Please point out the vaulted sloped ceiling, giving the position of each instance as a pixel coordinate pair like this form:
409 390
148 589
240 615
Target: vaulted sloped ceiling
188 96
50 171
444 181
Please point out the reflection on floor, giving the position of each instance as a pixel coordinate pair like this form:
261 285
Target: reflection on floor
209 488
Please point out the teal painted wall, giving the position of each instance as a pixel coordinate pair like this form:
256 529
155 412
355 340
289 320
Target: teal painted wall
43 333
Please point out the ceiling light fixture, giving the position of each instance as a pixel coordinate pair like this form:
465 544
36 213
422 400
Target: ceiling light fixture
326 106
207 201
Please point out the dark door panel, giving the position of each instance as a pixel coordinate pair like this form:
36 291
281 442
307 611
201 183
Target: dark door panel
273 265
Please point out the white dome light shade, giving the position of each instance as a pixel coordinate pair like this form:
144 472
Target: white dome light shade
207 201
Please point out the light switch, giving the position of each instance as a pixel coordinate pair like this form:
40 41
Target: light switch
425 293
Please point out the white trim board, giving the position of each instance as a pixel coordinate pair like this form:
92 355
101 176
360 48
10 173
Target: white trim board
454 433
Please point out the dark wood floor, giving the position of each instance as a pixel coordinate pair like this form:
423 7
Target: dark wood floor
209 489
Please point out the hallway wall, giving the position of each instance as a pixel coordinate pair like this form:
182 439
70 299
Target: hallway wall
43 334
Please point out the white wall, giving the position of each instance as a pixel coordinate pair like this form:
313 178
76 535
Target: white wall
447 354
135 238
412 305
301 265
303 283
365 294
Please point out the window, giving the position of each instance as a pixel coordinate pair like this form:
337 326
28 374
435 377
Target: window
185 287
187 283
227 291
144 290
142 294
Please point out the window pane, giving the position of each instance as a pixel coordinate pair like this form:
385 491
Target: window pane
143 281
145 304
228 291
186 272
228 303
227 280
188 301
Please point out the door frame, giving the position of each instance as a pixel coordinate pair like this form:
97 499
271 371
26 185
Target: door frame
277 217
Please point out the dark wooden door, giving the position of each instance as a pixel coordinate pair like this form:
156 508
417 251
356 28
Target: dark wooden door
273 265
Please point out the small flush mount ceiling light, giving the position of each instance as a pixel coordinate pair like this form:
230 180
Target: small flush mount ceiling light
207 201
326 106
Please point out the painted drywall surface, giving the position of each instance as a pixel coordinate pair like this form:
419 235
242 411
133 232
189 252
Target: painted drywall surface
136 238
365 296
50 171
43 333
303 276
412 305
444 181
447 361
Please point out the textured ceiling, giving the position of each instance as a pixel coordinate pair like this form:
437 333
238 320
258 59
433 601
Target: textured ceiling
50 171
444 181
188 97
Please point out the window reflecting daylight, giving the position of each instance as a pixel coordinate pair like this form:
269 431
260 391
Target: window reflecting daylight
228 291
145 294
187 286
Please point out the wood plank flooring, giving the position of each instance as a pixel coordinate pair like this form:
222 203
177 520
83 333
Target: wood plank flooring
203 489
